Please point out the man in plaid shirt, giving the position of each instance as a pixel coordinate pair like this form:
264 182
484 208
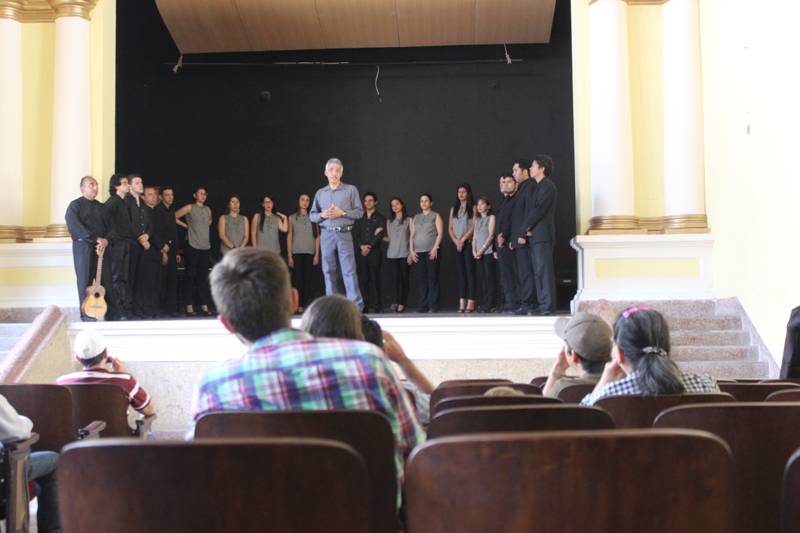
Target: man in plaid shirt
288 369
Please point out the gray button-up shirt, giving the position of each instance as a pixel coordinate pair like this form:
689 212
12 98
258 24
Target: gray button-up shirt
344 196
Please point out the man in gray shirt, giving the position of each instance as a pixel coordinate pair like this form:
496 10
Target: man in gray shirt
336 208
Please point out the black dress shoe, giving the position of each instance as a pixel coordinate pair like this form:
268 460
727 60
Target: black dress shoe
522 311
539 312
420 310
433 311
393 308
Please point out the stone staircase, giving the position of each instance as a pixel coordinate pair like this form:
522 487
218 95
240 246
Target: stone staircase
709 338
9 335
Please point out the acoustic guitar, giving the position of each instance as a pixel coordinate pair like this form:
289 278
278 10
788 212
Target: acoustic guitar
95 303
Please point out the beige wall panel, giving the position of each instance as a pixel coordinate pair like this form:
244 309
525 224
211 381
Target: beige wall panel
443 22
199 26
281 24
513 21
358 23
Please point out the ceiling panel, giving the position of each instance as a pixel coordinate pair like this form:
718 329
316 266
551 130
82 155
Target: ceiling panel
436 23
199 26
281 24
358 23
513 21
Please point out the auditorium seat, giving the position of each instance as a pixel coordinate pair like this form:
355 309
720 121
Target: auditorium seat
539 381
269 485
583 481
103 401
451 382
491 401
762 437
50 409
754 392
639 411
517 418
368 432
575 393
788 395
790 495
14 454
472 389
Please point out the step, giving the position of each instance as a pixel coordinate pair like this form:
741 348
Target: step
728 370
673 308
720 323
709 338
701 353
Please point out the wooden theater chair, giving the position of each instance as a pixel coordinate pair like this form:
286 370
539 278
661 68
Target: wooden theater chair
574 393
638 411
368 432
458 402
14 454
589 481
790 495
754 392
265 485
107 402
788 395
473 389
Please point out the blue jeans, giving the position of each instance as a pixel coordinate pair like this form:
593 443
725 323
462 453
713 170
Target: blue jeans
42 468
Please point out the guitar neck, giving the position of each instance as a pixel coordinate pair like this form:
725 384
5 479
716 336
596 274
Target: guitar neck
99 274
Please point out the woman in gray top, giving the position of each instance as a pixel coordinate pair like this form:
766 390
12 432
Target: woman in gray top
234 229
483 252
427 230
302 246
460 229
197 251
265 226
398 232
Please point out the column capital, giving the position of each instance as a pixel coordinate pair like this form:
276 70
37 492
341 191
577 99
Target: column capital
11 9
72 8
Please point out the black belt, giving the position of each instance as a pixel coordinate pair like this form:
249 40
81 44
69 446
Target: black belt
340 229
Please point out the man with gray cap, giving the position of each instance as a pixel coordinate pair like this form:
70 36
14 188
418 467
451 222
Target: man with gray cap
90 351
586 350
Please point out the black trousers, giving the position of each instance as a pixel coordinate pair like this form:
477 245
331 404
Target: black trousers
399 270
84 258
169 282
303 277
428 282
508 277
526 287
197 262
147 285
465 271
133 264
368 270
487 269
119 255
544 273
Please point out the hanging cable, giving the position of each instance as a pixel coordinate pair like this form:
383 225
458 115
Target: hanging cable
508 57
376 83
178 65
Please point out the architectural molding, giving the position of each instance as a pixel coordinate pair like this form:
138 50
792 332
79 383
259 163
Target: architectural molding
11 9
72 8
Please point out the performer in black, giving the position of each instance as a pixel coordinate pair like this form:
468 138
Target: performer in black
518 242
368 234
504 254
119 245
540 228
140 234
168 304
89 226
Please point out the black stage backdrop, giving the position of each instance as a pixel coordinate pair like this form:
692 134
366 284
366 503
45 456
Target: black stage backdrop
239 124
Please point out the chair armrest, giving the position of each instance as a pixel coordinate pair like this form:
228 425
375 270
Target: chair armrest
143 426
15 444
92 431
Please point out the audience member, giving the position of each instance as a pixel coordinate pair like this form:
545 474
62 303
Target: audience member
503 391
460 227
640 362
586 350
302 244
332 316
427 230
368 234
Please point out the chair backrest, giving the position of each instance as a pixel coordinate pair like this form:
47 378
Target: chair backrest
754 392
101 401
762 437
790 495
781 380
473 389
458 402
534 481
50 409
539 381
212 485
788 395
451 382
575 393
368 432
517 418
637 411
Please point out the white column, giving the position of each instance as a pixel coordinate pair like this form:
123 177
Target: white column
72 151
684 170
612 136
10 113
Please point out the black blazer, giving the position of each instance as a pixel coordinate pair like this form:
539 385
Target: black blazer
520 207
541 214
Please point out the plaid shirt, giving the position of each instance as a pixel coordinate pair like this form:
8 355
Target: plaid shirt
290 369
630 385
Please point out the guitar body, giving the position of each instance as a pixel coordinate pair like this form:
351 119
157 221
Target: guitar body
94 305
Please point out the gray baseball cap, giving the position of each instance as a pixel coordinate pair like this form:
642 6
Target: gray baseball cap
587 334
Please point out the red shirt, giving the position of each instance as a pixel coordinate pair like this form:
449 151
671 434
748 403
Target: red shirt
136 395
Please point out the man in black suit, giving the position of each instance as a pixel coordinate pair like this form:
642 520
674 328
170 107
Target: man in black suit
504 254
526 288
540 227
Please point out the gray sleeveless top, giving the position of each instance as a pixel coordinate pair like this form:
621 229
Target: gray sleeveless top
197 219
234 231
425 232
399 234
462 221
482 233
303 241
267 238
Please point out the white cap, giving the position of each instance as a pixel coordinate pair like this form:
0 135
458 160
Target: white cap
89 344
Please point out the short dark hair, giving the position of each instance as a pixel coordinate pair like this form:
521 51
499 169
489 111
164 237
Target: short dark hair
430 198
115 181
251 290
524 164
370 193
86 363
544 161
166 188
333 316
372 331
134 175
592 367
